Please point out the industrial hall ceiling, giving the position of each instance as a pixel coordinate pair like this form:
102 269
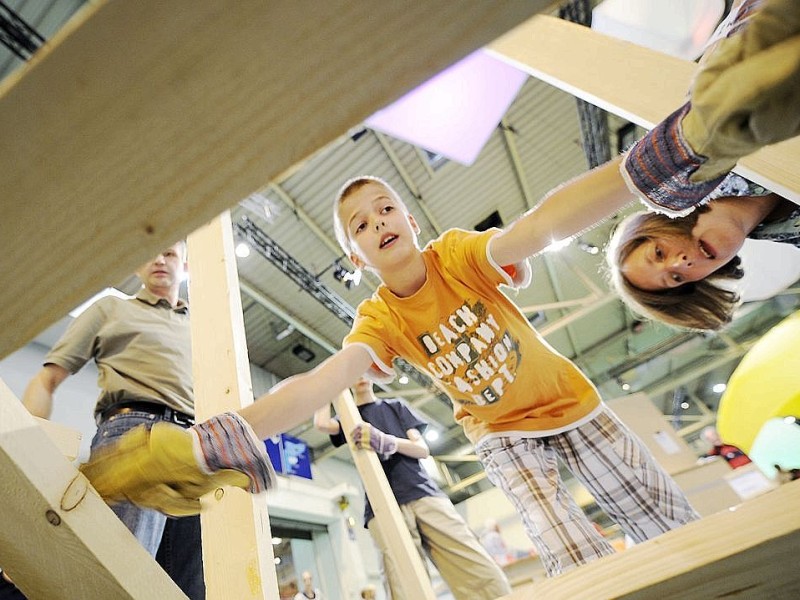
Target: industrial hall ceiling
298 294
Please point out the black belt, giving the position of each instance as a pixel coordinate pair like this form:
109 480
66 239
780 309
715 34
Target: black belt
161 410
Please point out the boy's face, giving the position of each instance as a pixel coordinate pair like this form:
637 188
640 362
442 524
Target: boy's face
379 228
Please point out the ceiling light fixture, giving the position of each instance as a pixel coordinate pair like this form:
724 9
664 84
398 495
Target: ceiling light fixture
348 278
242 250
588 248
303 353
285 332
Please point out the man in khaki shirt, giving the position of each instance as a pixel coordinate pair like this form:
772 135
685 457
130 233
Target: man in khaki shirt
142 348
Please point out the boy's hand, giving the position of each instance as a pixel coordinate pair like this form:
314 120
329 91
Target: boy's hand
366 436
168 468
744 96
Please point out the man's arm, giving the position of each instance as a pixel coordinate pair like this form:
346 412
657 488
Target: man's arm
325 422
38 396
565 212
295 399
414 446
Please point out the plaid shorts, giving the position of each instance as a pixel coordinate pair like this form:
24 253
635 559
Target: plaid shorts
611 462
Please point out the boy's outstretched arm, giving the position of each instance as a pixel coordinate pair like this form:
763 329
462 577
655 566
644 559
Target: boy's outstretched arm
565 212
295 399
168 468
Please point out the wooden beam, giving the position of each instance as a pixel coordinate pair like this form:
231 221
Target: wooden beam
143 120
745 553
57 537
636 83
237 542
412 574
67 440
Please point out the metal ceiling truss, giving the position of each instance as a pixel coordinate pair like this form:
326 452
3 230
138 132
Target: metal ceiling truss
289 266
593 120
19 37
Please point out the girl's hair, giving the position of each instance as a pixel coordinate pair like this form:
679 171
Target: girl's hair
703 304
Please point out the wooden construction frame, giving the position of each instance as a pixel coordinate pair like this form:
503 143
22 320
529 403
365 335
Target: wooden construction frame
143 120
55 529
237 542
636 83
68 441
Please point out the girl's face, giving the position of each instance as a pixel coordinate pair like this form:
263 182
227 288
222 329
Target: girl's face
670 261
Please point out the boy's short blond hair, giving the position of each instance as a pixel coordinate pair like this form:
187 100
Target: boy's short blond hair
350 187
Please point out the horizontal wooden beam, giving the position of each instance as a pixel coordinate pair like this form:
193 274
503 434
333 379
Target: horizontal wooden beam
146 119
748 552
58 538
636 83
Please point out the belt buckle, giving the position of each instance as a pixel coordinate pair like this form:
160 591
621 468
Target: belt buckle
178 418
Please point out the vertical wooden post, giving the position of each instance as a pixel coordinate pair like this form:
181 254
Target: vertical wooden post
237 542
413 576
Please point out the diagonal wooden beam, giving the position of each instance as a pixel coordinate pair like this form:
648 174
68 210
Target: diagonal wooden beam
636 83
67 440
57 537
412 574
143 120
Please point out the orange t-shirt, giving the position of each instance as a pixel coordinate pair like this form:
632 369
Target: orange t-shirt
475 344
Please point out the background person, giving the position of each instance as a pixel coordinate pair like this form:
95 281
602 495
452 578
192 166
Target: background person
307 590
438 531
734 456
142 349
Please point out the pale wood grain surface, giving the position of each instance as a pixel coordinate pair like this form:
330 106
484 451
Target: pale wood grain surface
148 118
237 542
58 539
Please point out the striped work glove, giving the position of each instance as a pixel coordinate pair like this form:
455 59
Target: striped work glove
366 436
168 468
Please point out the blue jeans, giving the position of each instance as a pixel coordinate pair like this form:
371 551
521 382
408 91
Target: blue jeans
174 542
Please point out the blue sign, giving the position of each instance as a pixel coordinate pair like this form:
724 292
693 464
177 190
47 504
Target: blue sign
289 455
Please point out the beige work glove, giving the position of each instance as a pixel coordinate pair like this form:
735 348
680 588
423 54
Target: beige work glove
745 95
168 468
747 92
367 436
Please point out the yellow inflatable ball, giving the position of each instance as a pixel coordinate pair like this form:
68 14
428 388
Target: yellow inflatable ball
766 384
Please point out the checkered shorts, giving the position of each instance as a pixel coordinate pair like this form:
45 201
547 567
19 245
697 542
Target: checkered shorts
612 463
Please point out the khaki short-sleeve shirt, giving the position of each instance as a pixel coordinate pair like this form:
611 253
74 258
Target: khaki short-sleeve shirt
142 348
